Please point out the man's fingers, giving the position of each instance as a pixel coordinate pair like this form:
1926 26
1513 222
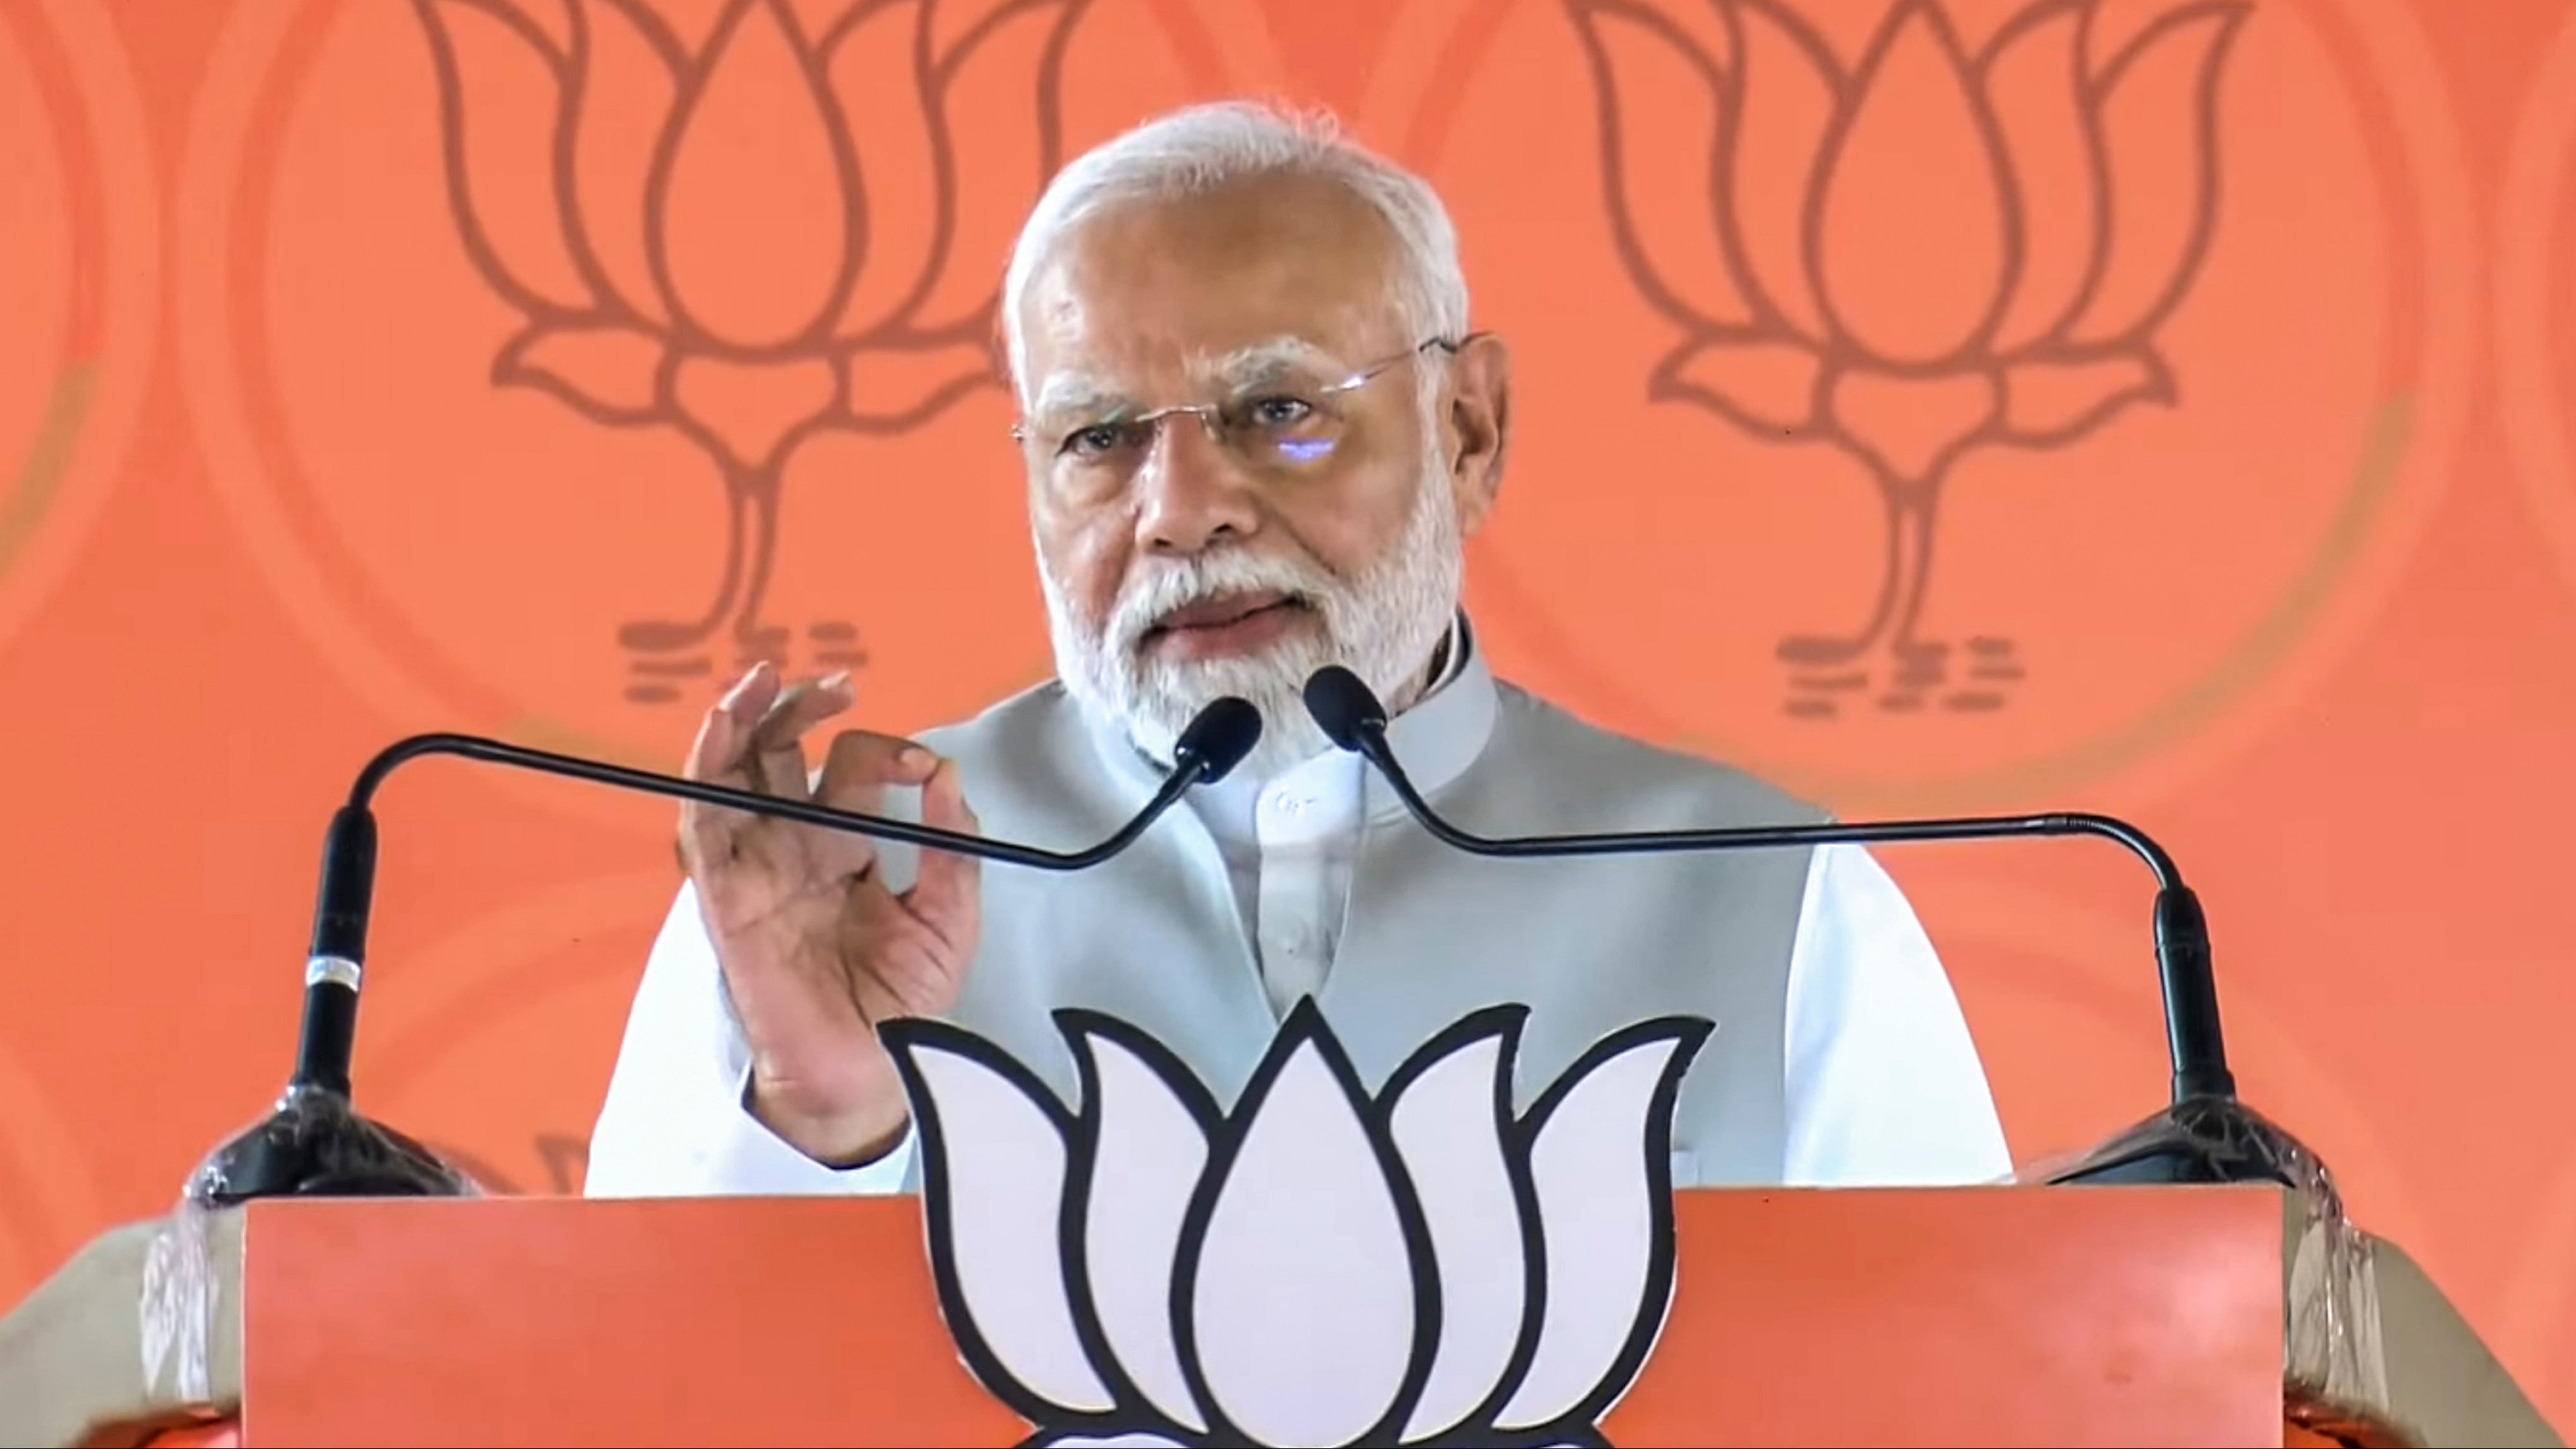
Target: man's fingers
716 757
947 888
749 741
860 763
752 695
775 752
799 707
759 714
717 751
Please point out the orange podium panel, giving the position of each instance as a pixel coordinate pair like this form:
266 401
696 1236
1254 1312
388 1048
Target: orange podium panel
1999 1316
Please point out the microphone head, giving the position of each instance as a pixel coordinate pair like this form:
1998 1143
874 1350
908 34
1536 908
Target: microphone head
1346 710
1218 738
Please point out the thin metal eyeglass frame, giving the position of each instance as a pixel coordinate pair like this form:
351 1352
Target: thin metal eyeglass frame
1207 413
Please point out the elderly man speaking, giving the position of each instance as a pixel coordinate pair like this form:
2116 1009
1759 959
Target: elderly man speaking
1257 431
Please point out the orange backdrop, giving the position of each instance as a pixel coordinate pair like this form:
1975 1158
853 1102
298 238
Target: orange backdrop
2165 407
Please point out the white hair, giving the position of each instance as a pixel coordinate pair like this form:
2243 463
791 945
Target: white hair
1204 147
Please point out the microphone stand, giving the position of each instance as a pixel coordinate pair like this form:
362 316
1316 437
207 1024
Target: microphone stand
313 1143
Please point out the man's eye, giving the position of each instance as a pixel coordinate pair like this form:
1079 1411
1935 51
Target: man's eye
1093 441
1280 412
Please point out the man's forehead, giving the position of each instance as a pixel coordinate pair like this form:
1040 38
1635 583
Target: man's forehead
1280 274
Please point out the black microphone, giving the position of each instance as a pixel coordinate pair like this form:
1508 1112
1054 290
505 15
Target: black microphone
313 1144
2205 1135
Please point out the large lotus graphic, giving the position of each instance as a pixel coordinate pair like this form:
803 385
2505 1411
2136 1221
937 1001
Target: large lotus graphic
748 237
1318 1266
1916 255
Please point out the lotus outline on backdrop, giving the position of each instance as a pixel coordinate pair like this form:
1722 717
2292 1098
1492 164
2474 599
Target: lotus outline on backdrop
2024 315
646 308
1422 1265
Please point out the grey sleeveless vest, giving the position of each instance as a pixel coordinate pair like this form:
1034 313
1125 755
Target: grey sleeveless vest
1430 934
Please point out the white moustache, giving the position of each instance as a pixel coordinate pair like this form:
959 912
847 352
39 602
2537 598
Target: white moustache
1156 593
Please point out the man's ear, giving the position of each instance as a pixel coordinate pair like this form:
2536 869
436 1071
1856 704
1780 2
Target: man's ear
1480 415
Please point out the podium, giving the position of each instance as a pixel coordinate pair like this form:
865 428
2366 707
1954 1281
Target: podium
1985 1315
1997 1316
1325 1263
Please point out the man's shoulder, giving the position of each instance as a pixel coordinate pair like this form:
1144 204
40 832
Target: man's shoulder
1036 707
1037 729
1588 758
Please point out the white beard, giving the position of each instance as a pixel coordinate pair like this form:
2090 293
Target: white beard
1381 625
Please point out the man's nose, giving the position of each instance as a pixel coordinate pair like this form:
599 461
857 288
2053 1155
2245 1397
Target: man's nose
1194 493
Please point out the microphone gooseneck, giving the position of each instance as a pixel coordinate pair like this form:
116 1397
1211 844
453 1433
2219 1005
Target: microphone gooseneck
1351 716
315 1143
1214 743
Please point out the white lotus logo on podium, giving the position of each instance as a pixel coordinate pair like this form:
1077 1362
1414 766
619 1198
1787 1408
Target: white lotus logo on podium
1318 1266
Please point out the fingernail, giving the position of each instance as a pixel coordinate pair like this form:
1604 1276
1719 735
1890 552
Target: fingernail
911 756
835 680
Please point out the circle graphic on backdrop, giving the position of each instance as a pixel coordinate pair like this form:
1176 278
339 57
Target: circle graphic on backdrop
2535 296
48 1196
1969 400
79 209
494 1042
558 362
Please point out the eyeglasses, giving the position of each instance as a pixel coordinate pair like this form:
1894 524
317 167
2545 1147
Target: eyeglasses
1285 426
